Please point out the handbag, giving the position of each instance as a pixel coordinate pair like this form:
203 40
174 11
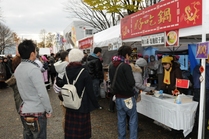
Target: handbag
114 78
70 95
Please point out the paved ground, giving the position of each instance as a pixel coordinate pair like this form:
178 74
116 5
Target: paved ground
104 124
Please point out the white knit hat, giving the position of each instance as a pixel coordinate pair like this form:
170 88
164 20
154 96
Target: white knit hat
75 55
141 62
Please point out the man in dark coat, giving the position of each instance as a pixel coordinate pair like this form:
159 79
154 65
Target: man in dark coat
94 66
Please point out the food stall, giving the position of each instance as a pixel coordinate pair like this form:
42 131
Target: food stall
174 19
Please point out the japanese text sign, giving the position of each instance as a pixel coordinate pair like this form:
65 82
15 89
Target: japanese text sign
164 16
154 39
85 43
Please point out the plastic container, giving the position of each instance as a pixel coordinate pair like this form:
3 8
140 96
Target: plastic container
178 100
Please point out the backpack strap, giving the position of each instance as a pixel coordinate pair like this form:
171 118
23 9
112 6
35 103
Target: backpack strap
78 76
76 80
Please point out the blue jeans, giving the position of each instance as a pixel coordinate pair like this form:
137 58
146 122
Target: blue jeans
96 87
122 111
38 131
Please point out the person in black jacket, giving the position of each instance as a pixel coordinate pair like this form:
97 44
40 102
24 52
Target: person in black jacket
78 122
123 90
94 66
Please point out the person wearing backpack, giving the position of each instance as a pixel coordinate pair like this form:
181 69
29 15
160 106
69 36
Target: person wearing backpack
78 121
60 69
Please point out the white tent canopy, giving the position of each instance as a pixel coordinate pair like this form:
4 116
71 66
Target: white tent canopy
110 36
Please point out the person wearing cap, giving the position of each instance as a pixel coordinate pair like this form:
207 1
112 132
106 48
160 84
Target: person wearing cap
171 71
78 122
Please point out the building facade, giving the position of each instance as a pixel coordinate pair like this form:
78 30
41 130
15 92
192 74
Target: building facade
76 31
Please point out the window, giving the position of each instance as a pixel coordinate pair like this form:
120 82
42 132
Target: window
89 31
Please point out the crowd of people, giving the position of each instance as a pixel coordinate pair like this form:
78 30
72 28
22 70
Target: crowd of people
31 75
5 69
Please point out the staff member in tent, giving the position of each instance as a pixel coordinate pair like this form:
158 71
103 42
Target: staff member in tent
171 71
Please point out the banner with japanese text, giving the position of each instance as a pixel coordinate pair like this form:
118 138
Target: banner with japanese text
164 16
85 43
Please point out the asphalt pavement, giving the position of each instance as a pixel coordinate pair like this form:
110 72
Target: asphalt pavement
104 123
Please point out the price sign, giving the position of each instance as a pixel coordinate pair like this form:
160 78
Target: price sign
202 50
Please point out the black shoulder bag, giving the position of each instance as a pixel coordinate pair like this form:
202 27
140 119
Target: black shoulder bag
114 78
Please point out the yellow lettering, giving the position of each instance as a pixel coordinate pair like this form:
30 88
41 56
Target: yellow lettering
164 16
151 23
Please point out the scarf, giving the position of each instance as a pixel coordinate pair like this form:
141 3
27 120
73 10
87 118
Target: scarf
166 79
27 60
120 58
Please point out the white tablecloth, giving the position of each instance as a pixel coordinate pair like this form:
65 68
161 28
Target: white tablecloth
165 111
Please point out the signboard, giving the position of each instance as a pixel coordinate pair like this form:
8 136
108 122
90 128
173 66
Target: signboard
85 43
202 50
155 39
172 38
44 51
166 15
73 35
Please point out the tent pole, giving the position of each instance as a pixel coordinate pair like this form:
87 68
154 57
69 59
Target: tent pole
201 125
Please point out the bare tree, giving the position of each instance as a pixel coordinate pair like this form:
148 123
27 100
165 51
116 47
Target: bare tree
49 39
150 2
42 36
98 19
6 38
101 18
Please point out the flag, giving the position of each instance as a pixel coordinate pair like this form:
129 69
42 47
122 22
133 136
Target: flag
182 83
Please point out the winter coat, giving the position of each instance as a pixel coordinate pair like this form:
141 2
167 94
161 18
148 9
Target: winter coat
124 83
139 82
175 73
60 67
18 100
89 101
3 75
95 68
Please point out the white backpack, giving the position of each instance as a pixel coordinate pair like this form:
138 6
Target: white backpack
70 95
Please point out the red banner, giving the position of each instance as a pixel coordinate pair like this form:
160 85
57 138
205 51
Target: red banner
85 43
166 15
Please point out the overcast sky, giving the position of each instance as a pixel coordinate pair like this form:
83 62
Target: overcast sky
28 17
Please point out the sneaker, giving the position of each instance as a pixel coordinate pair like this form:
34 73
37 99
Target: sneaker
100 108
